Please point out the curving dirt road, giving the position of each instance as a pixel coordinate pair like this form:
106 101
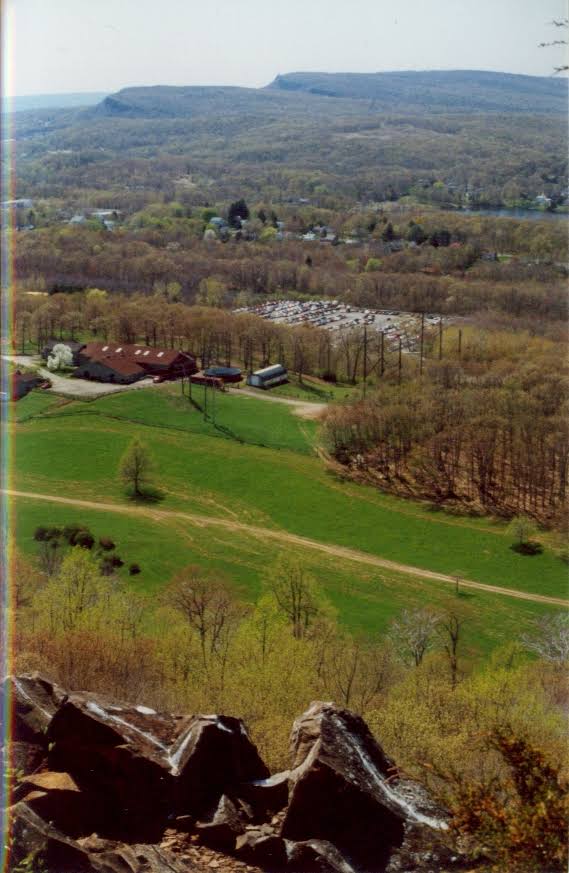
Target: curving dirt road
302 408
286 537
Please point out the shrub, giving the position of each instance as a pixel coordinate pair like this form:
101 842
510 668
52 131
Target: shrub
106 544
46 534
72 531
134 570
521 824
84 539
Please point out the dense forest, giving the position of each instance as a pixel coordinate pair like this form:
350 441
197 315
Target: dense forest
284 143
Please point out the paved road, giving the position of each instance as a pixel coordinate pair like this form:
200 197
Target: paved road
283 536
74 387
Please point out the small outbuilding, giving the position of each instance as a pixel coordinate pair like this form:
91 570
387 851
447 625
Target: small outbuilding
23 383
226 374
268 377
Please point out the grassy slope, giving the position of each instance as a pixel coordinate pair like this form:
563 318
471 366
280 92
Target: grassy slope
365 600
287 489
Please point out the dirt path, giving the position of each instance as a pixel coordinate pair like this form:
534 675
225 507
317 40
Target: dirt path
285 537
303 408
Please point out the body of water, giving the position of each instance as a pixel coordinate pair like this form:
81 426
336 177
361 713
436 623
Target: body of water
504 212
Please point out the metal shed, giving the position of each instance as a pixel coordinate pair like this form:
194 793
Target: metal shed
268 377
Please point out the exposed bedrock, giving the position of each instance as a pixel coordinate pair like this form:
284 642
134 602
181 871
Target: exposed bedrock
108 782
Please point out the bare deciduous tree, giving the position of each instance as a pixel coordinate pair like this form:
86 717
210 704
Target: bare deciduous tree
135 466
413 633
449 629
208 606
550 638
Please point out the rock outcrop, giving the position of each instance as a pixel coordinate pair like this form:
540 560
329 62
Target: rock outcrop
111 786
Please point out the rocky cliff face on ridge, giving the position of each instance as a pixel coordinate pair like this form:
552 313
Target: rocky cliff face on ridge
119 788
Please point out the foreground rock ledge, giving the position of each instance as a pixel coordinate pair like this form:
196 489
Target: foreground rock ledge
110 786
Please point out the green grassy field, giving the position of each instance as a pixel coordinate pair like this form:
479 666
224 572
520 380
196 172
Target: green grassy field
315 390
365 600
243 420
257 465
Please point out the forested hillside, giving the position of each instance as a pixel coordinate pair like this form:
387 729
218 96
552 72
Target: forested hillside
436 90
381 137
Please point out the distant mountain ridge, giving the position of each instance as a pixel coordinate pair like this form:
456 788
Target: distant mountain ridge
435 91
441 90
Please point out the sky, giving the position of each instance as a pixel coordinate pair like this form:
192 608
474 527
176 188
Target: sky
55 46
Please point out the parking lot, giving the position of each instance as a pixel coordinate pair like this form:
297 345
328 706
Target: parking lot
335 316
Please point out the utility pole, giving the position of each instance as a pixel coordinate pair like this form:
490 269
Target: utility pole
422 344
400 361
365 359
460 344
441 338
382 355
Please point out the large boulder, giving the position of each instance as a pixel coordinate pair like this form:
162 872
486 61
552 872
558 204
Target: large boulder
345 790
316 856
120 788
266 796
222 828
57 798
150 765
34 701
39 845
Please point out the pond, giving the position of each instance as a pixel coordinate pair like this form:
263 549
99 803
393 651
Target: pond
517 212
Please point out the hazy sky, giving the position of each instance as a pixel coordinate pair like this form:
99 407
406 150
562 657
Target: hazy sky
52 46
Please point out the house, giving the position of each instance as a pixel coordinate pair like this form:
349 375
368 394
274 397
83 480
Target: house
542 200
268 377
23 383
73 346
125 363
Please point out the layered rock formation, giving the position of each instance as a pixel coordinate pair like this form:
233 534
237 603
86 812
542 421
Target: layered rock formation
118 788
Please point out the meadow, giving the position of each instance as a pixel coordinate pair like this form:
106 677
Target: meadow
258 465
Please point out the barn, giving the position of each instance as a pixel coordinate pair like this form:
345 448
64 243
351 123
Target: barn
268 377
127 363
111 369
23 383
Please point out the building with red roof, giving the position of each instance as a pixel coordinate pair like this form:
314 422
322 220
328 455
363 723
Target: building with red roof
125 363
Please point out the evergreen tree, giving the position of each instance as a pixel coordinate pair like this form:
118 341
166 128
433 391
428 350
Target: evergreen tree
238 212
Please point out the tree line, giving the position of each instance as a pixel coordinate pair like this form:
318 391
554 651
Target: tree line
196 646
493 437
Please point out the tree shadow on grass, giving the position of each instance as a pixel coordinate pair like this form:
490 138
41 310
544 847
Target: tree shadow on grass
147 495
529 548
